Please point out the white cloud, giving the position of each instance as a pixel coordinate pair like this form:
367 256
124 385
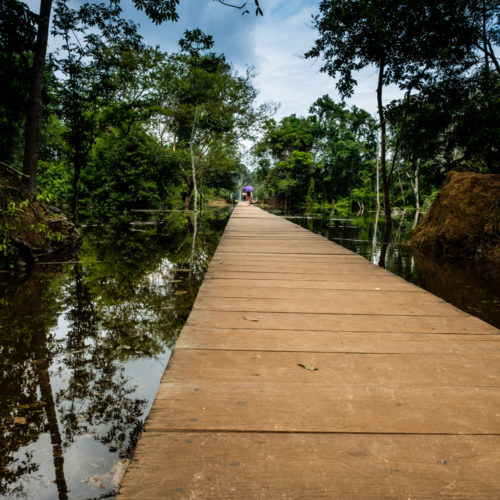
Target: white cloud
283 73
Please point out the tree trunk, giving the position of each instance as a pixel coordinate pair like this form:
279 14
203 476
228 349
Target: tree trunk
383 139
378 177
193 243
187 199
34 116
486 58
403 197
55 435
374 238
417 195
191 153
77 168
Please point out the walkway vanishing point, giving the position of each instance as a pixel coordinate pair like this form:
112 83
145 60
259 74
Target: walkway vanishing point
405 401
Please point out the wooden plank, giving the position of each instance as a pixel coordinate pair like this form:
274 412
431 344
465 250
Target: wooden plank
388 370
299 407
330 277
342 282
359 266
327 341
340 322
341 466
222 290
221 256
373 304
314 248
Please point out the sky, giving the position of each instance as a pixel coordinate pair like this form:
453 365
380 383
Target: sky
273 44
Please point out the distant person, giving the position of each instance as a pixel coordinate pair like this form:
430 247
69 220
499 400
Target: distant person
248 191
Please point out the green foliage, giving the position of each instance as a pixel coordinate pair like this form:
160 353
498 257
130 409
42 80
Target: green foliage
119 132
17 40
442 51
9 222
127 171
325 156
343 207
310 196
54 183
411 40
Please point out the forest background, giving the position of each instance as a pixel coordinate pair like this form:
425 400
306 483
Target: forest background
126 126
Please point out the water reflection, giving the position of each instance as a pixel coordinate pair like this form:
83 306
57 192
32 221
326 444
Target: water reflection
83 347
469 285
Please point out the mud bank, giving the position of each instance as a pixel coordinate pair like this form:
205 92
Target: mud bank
464 219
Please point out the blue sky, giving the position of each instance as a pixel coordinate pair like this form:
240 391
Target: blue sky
274 45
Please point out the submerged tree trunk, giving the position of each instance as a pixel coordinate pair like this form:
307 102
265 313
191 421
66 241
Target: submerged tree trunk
383 140
193 243
77 168
361 208
403 197
34 116
374 238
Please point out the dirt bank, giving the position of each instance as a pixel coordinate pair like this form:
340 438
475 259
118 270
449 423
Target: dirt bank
464 219
30 230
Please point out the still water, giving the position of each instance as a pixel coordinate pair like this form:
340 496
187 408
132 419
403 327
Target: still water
83 346
470 286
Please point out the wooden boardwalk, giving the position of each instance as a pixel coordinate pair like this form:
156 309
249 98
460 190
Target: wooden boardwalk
405 401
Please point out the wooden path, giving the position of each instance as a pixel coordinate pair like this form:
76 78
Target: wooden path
405 401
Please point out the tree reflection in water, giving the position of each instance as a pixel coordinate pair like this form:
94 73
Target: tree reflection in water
465 283
83 348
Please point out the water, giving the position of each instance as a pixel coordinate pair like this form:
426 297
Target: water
470 286
83 347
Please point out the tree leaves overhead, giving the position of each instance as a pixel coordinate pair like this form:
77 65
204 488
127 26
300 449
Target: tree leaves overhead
159 11
411 39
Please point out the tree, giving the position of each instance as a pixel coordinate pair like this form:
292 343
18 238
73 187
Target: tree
406 41
158 11
287 147
95 40
17 41
204 109
344 146
322 157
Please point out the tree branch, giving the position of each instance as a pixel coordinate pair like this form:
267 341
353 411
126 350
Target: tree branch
258 11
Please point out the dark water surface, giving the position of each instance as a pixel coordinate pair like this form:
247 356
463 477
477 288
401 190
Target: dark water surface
470 286
83 347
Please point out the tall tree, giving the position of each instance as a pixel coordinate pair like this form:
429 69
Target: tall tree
406 41
206 108
17 41
95 38
157 11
